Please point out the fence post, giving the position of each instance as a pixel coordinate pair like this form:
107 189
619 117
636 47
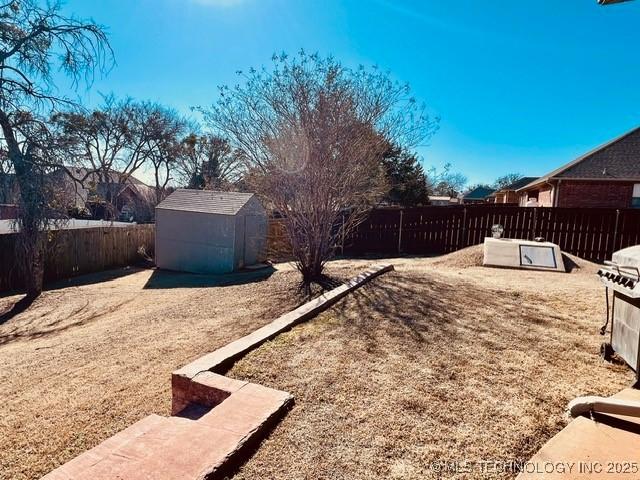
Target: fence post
464 228
534 224
615 235
400 233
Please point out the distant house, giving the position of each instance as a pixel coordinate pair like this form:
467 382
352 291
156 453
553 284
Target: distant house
477 195
133 199
442 200
86 194
509 193
608 176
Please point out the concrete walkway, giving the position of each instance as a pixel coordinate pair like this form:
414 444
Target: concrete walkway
605 446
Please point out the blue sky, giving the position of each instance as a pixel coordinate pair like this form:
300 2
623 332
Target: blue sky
521 86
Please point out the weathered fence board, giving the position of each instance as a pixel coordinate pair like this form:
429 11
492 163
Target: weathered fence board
78 251
380 232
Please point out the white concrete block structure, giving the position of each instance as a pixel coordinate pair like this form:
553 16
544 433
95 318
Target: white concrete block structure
526 254
204 231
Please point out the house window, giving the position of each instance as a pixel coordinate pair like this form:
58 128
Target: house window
635 199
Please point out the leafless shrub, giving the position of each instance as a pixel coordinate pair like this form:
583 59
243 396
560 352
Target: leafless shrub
312 134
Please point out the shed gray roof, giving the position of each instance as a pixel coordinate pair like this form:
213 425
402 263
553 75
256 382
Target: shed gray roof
205 201
618 159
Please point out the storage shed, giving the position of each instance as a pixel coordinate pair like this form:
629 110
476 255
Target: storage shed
204 231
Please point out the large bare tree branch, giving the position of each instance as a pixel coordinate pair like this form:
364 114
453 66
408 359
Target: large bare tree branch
34 40
313 133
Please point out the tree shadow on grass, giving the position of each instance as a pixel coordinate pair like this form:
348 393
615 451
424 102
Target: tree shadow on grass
83 280
25 302
419 309
82 316
411 309
17 308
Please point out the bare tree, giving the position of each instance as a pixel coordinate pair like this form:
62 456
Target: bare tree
111 144
312 134
447 182
209 162
506 180
96 141
163 148
36 40
119 139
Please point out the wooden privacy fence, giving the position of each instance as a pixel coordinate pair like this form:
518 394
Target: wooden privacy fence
78 251
278 244
590 233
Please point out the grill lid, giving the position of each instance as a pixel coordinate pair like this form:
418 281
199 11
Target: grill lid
622 274
627 257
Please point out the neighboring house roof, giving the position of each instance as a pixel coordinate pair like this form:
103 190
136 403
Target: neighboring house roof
618 159
438 198
88 175
205 201
478 193
518 184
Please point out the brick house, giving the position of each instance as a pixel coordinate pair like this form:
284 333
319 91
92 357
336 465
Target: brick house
86 195
608 176
509 194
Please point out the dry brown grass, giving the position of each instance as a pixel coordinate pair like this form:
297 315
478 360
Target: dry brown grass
89 359
438 361
441 360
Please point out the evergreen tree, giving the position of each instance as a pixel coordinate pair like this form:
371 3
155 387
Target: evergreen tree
407 180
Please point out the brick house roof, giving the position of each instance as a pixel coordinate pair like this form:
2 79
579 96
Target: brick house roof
618 159
478 193
518 184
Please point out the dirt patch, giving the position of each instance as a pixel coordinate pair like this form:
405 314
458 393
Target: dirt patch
91 357
575 264
464 258
432 365
473 256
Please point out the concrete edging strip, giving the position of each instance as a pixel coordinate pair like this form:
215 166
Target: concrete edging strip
220 360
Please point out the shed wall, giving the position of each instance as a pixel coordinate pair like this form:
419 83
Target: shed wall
254 225
239 261
195 242
254 249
